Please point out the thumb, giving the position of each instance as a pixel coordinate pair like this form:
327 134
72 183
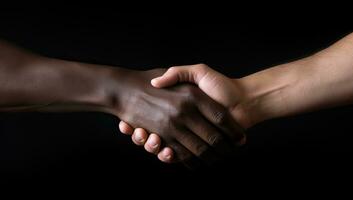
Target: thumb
174 75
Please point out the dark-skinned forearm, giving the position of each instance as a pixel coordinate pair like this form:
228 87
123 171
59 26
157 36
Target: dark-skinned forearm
29 82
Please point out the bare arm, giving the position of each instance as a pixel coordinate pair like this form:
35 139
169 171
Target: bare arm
319 81
30 82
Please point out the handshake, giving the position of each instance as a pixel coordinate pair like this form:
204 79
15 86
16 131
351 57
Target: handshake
184 112
205 122
203 113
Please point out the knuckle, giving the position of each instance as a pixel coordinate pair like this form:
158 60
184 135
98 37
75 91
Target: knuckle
220 117
191 93
175 110
201 66
215 139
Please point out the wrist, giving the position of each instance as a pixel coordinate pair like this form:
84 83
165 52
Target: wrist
76 86
267 94
124 87
118 88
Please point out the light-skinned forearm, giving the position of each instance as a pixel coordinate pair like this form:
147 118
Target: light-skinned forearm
320 81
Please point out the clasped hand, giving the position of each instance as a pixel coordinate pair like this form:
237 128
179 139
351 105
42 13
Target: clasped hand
184 122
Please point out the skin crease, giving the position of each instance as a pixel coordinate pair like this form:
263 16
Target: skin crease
322 80
194 125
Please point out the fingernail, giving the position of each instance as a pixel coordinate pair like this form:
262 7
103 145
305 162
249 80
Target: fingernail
168 157
139 138
154 81
154 146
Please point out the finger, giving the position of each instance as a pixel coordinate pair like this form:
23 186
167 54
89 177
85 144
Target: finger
210 134
197 146
139 136
166 155
125 128
214 84
221 118
187 73
181 154
153 143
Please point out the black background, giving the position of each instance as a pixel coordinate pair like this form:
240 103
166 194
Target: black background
87 146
